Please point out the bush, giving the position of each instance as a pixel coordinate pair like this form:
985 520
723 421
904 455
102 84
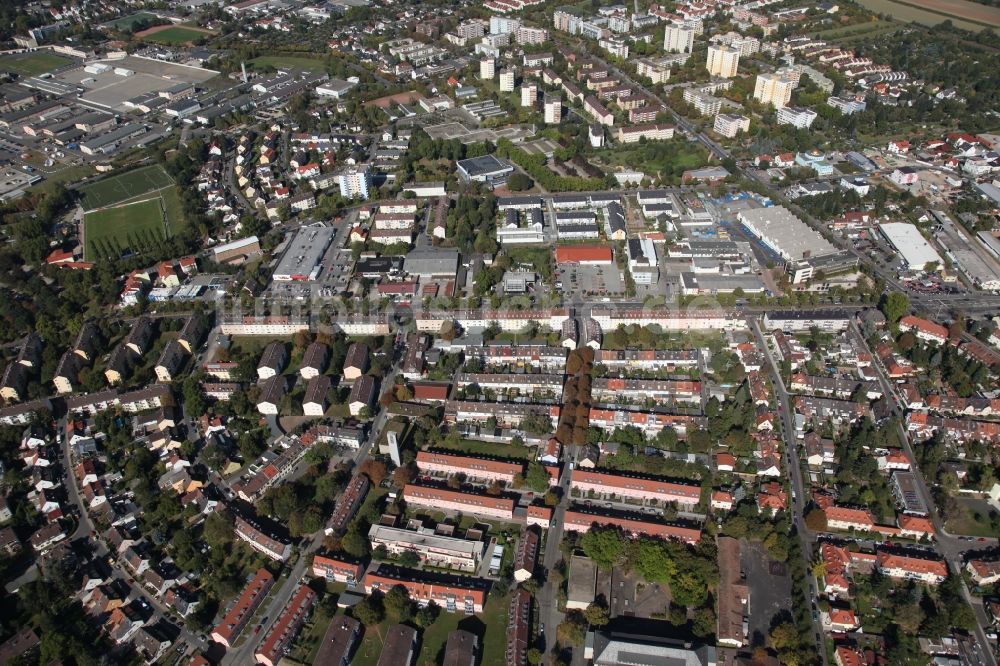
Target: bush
519 182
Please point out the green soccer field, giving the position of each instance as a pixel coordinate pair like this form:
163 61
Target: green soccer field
176 36
32 64
123 187
111 232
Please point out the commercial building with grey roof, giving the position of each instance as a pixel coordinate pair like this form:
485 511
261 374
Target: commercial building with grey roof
302 257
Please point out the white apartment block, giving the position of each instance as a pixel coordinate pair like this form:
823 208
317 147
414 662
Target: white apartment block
723 61
507 80
553 110
678 40
706 105
487 68
729 125
797 117
355 181
529 94
655 71
774 89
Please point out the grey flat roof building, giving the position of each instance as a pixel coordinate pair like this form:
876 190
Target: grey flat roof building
484 168
431 263
301 260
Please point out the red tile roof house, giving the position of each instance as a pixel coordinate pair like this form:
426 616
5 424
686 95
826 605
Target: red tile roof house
840 619
924 329
772 498
722 500
452 500
242 609
452 598
984 572
579 521
286 628
915 527
430 392
846 656
334 569
540 516
475 468
926 570
602 483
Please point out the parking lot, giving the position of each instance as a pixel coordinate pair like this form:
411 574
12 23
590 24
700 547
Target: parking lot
591 280
770 589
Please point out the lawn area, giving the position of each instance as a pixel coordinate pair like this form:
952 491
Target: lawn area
293 62
130 21
370 646
122 187
177 35
498 450
32 64
490 626
125 228
664 158
973 518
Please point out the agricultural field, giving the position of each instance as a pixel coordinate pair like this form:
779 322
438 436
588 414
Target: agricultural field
32 64
963 14
125 228
125 186
173 35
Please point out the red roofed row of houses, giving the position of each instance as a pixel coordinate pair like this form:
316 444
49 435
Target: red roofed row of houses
477 468
578 521
603 483
453 500
236 618
453 597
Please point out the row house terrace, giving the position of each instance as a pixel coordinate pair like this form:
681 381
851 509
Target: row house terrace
438 462
650 423
953 404
505 414
261 541
521 383
659 391
453 593
924 425
637 359
583 521
673 320
833 387
336 570
535 356
635 487
507 320
460 502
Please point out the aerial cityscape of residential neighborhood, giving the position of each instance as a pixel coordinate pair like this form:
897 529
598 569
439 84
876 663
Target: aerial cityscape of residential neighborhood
502 333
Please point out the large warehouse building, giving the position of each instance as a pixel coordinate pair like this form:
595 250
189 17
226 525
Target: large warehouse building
789 237
911 245
301 260
805 252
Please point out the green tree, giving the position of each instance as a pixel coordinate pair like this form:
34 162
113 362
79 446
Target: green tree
596 615
605 546
536 477
894 305
369 611
652 561
397 604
